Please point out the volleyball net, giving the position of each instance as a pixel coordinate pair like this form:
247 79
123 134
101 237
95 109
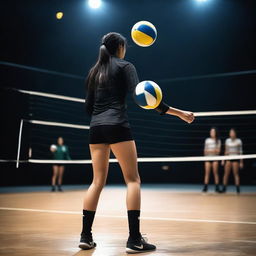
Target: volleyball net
158 138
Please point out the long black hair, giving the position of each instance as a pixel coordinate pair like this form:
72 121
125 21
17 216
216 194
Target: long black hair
110 44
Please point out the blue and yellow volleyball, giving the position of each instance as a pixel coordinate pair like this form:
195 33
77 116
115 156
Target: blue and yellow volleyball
144 33
148 94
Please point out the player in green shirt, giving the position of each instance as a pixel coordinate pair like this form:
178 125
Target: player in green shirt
60 152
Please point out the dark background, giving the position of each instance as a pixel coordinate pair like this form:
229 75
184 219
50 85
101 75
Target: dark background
193 39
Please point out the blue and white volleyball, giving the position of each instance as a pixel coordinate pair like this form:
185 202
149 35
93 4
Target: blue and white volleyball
148 94
144 33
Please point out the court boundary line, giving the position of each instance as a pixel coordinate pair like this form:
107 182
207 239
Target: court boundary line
124 217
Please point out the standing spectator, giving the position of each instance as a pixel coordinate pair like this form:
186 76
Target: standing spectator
212 147
60 152
233 146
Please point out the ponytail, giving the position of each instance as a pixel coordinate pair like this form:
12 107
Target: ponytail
104 55
109 47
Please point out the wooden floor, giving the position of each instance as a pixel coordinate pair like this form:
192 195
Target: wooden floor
179 223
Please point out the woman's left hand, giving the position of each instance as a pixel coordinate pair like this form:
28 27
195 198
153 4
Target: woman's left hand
187 116
241 165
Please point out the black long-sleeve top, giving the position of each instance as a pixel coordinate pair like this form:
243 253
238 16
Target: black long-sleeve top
105 102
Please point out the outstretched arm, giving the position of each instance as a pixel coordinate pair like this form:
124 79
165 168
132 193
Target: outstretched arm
132 80
186 116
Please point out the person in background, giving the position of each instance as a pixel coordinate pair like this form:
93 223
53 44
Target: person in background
60 152
212 147
233 146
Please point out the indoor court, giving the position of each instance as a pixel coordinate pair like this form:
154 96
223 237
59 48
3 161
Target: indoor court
187 222
153 99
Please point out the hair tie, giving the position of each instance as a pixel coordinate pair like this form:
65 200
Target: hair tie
106 48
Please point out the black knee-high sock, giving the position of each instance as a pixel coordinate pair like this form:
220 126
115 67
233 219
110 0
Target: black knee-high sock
88 217
134 224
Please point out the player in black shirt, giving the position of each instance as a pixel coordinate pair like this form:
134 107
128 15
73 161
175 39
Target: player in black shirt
108 83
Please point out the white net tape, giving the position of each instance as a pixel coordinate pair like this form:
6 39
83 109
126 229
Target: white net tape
152 159
210 113
76 126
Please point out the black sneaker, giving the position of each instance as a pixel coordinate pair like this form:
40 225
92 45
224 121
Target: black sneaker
60 189
217 189
139 245
238 190
53 189
224 189
86 242
205 189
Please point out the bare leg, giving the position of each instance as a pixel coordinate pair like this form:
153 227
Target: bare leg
61 172
235 166
54 174
227 170
126 154
207 167
100 159
215 166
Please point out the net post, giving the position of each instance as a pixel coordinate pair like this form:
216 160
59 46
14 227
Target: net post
19 144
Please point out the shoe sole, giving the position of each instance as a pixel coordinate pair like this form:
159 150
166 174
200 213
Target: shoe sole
85 246
131 251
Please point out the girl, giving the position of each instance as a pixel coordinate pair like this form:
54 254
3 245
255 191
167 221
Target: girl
212 147
108 83
60 152
233 146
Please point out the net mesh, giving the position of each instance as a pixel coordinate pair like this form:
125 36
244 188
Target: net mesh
156 136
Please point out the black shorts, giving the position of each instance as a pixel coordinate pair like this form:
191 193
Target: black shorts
234 161
109 134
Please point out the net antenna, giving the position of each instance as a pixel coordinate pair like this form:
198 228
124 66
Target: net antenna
19 143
